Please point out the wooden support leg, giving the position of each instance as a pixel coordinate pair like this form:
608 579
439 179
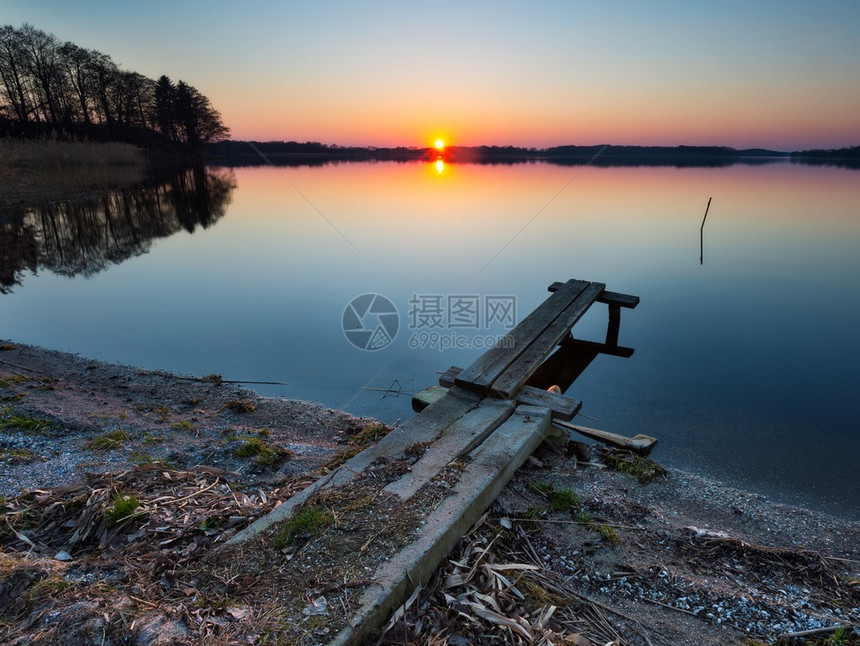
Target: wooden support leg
614 324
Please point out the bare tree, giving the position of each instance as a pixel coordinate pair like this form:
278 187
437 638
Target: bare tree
64 85
75 61
13 75
41 49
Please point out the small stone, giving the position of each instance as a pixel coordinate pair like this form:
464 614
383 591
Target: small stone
318 606
63 555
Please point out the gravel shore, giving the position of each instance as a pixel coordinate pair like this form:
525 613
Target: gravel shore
679 560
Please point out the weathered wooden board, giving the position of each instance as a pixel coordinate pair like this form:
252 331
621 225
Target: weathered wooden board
615 301
485 370
447 378
518 372
622 300
421 428
454 442
562 408
429 395
493 464
639 444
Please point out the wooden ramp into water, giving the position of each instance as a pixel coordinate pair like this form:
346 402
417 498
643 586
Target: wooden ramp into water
481 426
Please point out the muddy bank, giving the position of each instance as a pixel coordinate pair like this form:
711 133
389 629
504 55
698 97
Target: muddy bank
678 560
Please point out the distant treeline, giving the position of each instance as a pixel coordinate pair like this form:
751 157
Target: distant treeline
608 155
292 153
846 157
309 153
312 153
59 89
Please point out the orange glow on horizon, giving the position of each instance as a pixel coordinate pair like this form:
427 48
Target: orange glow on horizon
684 122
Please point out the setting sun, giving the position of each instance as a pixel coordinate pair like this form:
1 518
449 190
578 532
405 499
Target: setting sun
440 144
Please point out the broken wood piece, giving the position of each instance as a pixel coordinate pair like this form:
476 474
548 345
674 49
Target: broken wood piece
447 378
639 444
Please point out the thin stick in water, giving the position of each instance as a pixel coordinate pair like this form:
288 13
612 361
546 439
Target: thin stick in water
702 234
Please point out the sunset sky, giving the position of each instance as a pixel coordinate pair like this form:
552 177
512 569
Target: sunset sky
780 74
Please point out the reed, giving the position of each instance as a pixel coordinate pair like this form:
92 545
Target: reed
38 171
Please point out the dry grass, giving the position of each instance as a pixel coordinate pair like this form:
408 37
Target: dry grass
33 172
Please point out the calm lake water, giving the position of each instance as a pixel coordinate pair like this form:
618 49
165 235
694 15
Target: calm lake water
746 366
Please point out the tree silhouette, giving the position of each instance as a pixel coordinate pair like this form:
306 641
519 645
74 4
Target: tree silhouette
12 74
165 99
47 85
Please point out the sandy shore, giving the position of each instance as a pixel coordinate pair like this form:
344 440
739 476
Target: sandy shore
680 560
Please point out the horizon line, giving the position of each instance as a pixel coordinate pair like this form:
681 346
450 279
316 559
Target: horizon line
531 148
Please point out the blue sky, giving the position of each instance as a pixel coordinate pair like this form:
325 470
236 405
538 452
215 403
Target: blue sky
776 74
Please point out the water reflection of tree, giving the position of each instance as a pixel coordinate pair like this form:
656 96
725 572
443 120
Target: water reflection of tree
84 237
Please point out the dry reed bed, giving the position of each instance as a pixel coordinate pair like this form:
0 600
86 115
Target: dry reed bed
33 172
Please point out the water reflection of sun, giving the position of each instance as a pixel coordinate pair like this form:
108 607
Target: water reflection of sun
440 166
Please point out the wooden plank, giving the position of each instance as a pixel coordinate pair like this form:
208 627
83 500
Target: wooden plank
485 370
563 408
623 300
447 378
639 444
425 427
429 395
455 441
494 463
516 374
